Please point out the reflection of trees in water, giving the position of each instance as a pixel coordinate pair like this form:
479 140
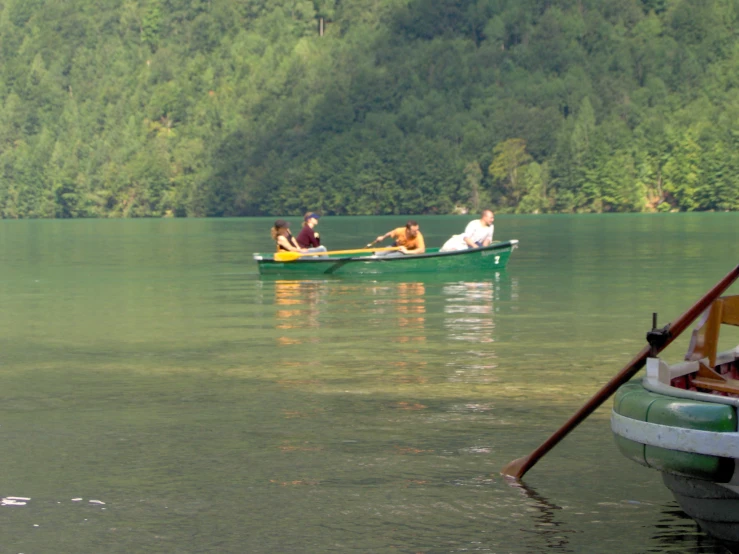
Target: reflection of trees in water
547 527
677 532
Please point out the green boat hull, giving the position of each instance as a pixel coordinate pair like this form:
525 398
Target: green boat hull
693 443
636 403
490 258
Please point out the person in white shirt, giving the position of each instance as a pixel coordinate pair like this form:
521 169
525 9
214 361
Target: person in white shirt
477 234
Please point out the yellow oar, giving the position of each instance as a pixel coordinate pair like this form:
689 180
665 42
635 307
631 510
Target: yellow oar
292 256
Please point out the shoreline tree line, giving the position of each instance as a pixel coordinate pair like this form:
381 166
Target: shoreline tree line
152 108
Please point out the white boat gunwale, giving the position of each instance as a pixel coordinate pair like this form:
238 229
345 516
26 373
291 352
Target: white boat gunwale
694 441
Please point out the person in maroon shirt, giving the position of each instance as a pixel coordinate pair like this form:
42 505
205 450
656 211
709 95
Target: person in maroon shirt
308 237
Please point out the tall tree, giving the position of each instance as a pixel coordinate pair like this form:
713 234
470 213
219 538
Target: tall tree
509 157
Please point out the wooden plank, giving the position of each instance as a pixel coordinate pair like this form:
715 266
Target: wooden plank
730 314
730 386
705 372
704 341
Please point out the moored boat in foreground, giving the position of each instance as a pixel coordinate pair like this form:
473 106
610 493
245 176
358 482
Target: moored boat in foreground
681 419
488 258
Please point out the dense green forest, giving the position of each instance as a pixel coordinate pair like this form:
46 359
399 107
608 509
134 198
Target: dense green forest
255 107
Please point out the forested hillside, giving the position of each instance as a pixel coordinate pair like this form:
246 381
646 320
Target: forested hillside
256 107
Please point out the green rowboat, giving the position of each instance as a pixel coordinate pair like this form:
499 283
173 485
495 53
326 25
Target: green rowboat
493 257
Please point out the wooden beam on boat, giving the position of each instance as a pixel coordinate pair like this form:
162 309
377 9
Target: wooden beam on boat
729 386
704 340
730 314
709 379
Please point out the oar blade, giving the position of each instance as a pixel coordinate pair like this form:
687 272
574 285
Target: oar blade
286 256
516 468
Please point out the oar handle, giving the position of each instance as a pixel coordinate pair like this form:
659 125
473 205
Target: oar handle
518 468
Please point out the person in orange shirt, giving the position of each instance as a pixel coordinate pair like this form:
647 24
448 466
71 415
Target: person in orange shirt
409 239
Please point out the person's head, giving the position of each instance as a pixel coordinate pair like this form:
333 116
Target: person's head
311 218
487 217
281 227
411 228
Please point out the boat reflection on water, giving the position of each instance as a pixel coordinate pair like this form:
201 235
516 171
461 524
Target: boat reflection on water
300 303
394 309
469 318
676 530
297 308
470 306
397 314
469 309
398 304
410 306
549 529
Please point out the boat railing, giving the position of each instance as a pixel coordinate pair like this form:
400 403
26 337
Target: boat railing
679 369
659 370
660 375
686 376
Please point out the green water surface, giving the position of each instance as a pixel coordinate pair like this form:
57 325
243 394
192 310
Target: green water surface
146 366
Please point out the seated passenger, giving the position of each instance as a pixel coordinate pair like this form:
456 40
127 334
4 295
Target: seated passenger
477 234
409 240
285 241
308 238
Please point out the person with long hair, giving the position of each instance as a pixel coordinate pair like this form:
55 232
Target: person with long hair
283 239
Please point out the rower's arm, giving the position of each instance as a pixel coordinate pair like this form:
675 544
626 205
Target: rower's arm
421 245
383 237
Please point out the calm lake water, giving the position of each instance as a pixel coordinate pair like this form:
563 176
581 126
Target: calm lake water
158 396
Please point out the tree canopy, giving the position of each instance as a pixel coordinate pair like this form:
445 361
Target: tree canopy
134 108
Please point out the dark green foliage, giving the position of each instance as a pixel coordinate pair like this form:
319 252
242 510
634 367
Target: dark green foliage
221 108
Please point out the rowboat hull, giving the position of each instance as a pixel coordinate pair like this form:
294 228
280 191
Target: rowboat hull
714 506
693 441
489 258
